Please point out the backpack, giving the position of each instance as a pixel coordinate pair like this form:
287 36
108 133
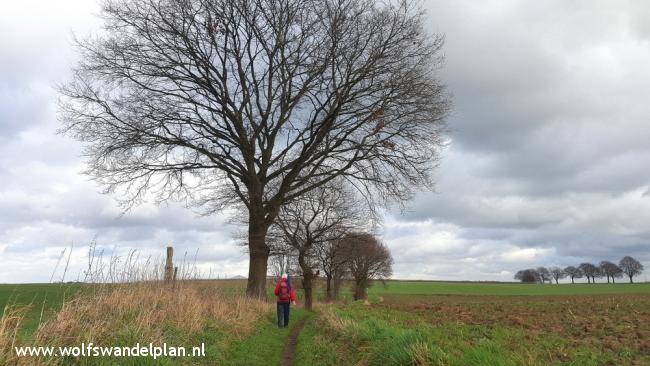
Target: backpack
283 294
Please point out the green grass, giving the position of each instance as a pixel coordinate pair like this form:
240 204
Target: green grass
265 345
262 347
407 321
502 289
41 298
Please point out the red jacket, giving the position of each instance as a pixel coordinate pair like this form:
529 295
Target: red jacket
292 294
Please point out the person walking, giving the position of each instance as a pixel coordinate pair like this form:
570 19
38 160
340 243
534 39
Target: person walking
285 295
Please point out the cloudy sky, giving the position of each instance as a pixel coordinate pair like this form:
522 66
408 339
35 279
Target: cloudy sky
548 161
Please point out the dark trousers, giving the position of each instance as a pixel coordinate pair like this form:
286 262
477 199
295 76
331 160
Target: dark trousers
283 314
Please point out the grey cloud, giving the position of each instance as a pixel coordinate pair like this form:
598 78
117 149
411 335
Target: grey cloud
547 163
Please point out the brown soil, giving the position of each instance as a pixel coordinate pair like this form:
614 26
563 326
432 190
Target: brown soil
613 322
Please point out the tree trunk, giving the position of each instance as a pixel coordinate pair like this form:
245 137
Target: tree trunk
306 284
360 290
307 276
360 293
259 255
572 280
328 287
613 281
556 281
336 286
588 281
631 279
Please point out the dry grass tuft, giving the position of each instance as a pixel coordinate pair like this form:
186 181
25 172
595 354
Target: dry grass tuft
10 321
419 352
336 323
143 311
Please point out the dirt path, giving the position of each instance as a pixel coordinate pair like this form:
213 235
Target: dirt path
290 346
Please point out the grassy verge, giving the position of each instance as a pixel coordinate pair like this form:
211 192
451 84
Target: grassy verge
320 346
235 330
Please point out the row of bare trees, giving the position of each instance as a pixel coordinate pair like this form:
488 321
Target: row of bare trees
626 266
329 230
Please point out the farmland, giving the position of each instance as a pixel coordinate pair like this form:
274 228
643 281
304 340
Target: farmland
435 323
418 322
503 289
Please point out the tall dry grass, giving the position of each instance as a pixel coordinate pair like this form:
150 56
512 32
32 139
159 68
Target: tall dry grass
146 310
12 317
125 300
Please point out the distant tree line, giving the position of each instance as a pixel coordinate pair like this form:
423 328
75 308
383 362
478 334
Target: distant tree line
627 266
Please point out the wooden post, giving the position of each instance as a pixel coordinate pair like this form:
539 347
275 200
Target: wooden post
174 279
169 265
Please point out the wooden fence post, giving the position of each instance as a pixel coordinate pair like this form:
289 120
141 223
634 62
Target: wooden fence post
174 280
169 265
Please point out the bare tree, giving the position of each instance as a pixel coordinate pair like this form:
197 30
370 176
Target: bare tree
320 216
222 103
557 273
528 275
573 272
544 274
611 270
333 258
631 267
590 271
369 260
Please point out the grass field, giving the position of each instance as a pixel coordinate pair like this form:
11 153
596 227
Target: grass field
42 299
405 323
502 289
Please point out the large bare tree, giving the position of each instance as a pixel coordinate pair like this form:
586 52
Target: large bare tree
320 216
252 103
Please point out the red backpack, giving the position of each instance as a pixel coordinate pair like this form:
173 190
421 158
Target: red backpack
283 294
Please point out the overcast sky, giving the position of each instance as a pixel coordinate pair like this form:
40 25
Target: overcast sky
548 161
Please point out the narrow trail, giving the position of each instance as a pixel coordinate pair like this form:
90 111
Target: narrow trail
290 346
